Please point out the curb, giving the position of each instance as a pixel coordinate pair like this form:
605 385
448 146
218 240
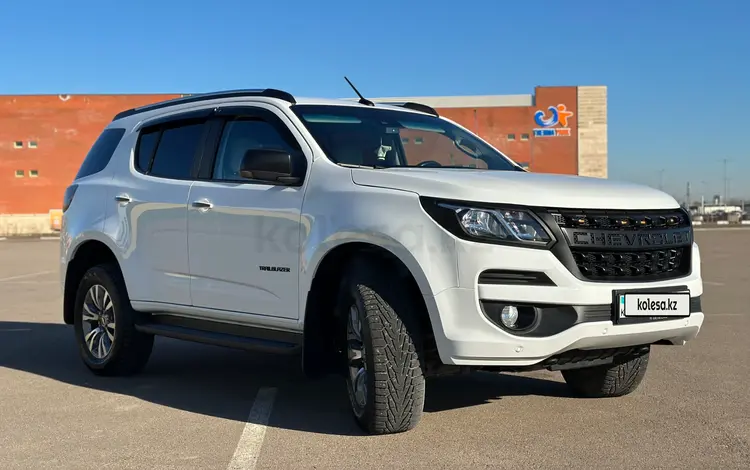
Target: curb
40 238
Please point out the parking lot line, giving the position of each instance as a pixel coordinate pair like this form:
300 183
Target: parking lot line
36 283
23 276
248 448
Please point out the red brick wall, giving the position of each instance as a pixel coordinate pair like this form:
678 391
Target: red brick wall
64 130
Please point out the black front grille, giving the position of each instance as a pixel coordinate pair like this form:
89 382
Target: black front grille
622 245
613 265
621 220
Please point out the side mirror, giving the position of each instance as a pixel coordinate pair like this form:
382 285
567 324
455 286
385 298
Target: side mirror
274 166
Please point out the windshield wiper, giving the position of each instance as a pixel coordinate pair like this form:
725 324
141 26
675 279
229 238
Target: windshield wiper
354 165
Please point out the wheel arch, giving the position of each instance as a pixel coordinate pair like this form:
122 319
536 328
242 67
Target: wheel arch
88 253
333 259
319 321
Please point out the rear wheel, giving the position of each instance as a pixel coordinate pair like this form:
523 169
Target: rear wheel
384 372
622 377
104 324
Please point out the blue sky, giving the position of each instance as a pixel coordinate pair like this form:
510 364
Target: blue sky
676 71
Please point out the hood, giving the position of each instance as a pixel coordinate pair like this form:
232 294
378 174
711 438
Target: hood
517 187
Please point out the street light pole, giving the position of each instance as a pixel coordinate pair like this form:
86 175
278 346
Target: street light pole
726 182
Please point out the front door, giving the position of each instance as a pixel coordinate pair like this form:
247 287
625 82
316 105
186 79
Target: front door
244 235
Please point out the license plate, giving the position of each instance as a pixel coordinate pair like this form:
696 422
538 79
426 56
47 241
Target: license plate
654 305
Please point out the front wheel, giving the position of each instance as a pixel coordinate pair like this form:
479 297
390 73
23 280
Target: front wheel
620 378
384 375
104 324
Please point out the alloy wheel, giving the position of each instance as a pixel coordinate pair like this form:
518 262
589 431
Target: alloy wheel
98 321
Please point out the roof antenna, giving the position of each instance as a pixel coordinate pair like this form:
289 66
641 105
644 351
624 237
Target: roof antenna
362 99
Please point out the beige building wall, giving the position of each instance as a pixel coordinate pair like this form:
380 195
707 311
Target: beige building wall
24 225
592 131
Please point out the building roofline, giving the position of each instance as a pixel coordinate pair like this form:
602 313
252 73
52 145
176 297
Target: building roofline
467 101
33 95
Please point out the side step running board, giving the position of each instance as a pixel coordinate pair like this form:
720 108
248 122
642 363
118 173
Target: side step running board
220 339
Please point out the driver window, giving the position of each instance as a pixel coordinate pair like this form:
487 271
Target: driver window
421 146
237 138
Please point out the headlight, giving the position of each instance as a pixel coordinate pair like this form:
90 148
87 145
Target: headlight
504 225
489 224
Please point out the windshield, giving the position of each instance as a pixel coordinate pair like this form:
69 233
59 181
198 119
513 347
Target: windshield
384 138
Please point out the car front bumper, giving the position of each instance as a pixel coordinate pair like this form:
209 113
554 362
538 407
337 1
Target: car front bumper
465 335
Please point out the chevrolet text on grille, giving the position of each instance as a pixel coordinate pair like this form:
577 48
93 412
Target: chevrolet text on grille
629 240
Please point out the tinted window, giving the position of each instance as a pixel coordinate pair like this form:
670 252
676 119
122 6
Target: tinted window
146 147
101 152
371 136
240 136
176 151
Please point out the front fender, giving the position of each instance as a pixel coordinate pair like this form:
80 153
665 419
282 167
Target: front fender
389 219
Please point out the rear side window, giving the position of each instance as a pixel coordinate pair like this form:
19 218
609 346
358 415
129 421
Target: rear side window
101 152
176 151
176 148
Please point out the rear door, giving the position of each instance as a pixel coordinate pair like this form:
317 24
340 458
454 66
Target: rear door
244 235
152 208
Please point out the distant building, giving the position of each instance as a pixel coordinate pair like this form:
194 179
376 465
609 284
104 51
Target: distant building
719 208
44 138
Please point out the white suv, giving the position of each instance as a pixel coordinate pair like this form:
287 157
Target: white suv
380 241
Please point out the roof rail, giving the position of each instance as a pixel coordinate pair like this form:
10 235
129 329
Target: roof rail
267 92
414 106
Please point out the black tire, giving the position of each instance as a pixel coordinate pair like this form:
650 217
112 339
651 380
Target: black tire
392 340
130 349
620 378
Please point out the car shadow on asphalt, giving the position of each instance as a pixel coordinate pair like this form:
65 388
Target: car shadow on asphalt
223 383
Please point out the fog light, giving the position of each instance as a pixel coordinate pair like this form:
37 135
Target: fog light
509 316
515 319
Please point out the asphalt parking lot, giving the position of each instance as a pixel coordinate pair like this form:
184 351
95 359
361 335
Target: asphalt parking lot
197 406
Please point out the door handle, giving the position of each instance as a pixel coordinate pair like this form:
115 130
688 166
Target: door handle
203 204
123 198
